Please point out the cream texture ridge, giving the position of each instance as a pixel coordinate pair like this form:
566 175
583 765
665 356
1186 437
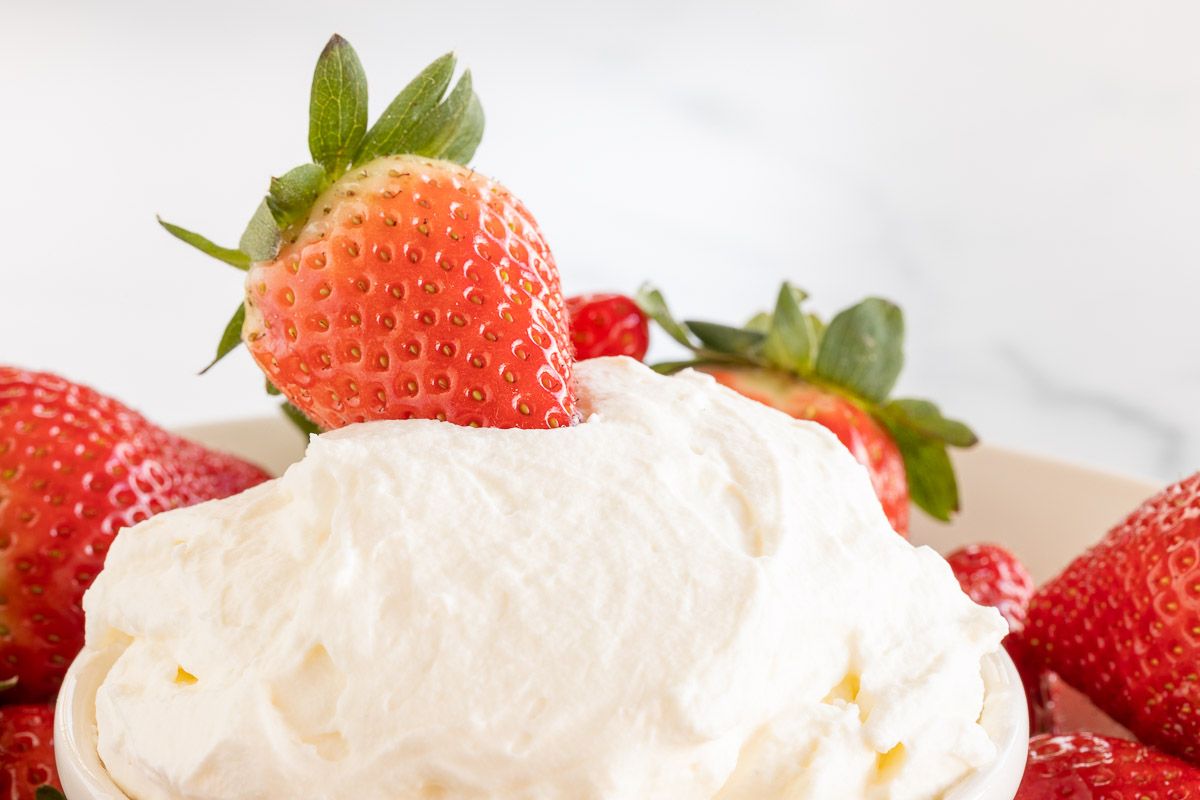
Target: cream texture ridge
688 596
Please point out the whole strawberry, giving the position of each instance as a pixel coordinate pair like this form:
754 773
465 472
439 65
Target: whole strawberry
1122 622
839 374
387 281
607 325
27 752
1084 766
75 468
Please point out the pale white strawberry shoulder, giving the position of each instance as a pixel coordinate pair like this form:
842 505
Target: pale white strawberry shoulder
689 596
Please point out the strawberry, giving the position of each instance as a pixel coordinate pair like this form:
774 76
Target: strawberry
607 325
1122 622
840 375
1084 766
992 576
27 752
385 280
76 467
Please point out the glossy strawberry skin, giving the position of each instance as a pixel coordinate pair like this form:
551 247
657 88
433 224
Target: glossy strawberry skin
76 467
865 438
1122 622
418 288
26 751
992 576
1084 766
607 325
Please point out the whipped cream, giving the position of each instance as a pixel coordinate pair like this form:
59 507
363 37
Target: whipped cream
689 596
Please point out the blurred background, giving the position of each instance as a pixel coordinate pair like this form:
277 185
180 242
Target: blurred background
1023 177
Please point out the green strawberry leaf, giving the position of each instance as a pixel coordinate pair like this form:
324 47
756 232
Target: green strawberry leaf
260 241
671 367
451 123
300 420
760 323
337 110
862 349
931 482
818 327
234 258
48 792
292 194
271 390
462 145
726 339
654 305
925 418
391 132
230 338
791 340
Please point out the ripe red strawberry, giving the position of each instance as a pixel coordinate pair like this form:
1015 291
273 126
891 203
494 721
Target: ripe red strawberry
75 467
607 325
839 375
992 576
387 281
1122 622
26 751
1084 766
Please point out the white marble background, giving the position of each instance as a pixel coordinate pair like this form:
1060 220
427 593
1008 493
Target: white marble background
1023 176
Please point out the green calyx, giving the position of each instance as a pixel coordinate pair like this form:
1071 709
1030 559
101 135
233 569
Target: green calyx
428 118
48 792
859 354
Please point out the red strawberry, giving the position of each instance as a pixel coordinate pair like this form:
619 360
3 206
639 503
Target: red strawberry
387 281
992 576
1122 622
607 325
26 751
1084 766
839 375
75 467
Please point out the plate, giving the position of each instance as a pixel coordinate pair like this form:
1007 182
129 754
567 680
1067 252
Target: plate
1045 511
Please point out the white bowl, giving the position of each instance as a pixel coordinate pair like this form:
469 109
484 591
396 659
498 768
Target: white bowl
1044 510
